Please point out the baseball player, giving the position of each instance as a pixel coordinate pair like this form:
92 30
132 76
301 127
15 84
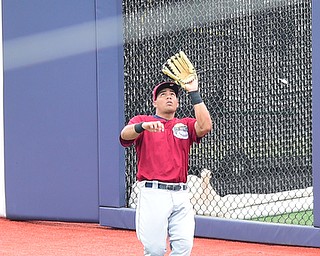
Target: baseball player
162 144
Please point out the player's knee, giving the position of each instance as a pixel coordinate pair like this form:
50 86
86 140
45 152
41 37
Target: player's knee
154 250
181 247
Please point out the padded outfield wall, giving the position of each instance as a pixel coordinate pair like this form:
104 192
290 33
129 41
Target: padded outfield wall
66 94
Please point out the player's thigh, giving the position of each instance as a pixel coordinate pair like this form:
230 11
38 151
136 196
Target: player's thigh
181 229
152 213
181 221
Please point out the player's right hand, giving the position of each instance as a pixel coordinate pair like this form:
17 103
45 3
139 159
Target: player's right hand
156 126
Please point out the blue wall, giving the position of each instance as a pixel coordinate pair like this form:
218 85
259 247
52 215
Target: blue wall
316 109
110 103
50 110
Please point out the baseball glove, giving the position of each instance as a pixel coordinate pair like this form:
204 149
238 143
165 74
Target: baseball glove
180 69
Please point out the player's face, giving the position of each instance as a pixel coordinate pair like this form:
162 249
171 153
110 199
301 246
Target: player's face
166 102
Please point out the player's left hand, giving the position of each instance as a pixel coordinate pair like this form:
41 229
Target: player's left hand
180 69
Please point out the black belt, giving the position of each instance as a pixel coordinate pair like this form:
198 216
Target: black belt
174 187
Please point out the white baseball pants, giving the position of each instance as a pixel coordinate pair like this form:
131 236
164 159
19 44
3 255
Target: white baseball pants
163 214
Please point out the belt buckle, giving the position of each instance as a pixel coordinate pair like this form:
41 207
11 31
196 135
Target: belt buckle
172 187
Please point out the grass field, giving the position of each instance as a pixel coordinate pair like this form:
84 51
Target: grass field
296 218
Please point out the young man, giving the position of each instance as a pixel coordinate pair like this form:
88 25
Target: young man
162 144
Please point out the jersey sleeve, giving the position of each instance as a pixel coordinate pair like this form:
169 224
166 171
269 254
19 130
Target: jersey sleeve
125 143
192 130
134 120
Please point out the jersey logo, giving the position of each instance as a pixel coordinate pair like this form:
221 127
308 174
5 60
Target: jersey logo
180 131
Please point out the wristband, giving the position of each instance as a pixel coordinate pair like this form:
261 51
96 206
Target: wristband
138 128
195 97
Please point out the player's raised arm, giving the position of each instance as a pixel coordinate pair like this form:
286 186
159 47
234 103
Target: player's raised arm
180 69
203 124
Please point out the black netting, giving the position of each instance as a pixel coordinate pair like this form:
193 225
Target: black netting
253 58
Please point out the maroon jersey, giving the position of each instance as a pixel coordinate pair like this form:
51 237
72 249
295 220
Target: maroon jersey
164 156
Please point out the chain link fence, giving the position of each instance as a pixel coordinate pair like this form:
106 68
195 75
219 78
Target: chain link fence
253 58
